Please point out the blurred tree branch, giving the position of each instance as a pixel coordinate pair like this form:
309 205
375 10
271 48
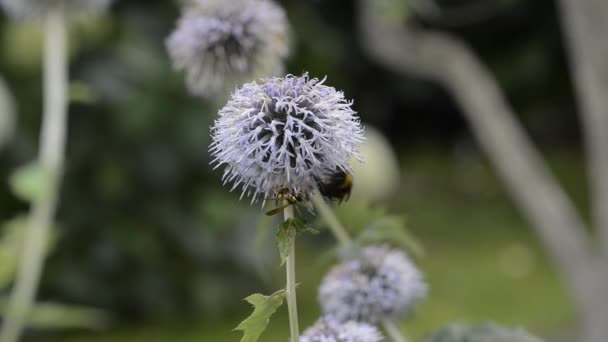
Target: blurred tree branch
585 25
450 62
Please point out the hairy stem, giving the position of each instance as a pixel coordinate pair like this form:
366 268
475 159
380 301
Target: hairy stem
290 268
393 331
332 221
51 155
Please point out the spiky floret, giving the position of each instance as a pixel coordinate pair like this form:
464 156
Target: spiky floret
380 283
283 134
330 329
220 44
38 8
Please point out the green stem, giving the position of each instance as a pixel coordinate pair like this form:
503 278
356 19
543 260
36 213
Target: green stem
332 221
290 267
51 155
345 241
393 331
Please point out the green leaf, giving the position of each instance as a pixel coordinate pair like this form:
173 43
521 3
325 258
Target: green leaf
10 248
394 12
263 308
285 237
31 182
82 92
288 230
391 229
11 245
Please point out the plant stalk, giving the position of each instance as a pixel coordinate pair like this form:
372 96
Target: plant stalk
290 267
393 331
345 240
332 221
51 155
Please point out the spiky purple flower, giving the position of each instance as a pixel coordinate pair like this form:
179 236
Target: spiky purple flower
220 44
38 8
330 329
381 283
284 134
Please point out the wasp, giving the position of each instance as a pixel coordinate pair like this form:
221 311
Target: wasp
289 198
336 186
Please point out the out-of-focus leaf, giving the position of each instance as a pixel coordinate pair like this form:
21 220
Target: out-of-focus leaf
357 215
394 12
82 92
22 45
10 247
391 229
263 308
374 225
49 315
31 182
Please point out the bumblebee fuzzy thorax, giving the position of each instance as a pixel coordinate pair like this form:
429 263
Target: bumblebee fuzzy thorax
336 186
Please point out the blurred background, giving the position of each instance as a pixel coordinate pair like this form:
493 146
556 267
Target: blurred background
147 234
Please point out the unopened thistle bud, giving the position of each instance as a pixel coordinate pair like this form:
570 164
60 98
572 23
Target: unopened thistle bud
222 43
283 134
31 9
381 283
330 329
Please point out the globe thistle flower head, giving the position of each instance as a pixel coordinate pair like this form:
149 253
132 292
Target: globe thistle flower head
380 283
330 329
31 9
280 135
220 44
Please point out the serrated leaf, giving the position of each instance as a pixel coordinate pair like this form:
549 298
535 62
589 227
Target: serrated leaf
285 238
288 230
263 308
391 229
31 182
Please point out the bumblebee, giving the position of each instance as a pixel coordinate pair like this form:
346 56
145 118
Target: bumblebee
286 195
337 186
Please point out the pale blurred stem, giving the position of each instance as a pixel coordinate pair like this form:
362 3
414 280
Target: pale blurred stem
51 155
332 221
340 233
449 61
290 267
393 331
584 23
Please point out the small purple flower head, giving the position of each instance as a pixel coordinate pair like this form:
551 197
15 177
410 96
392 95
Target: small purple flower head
330 329
283 134
381 283
222 43
38 8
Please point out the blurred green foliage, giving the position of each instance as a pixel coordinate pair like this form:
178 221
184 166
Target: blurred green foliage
148 234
